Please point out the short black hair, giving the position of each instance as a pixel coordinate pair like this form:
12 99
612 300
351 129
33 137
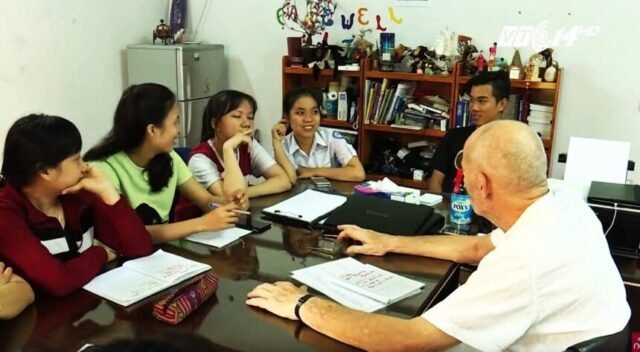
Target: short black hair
294 94
221 104
36 142
499 81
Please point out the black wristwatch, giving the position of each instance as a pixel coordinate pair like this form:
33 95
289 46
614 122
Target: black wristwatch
302 300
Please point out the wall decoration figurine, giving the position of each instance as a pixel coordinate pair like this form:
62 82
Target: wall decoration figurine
318 16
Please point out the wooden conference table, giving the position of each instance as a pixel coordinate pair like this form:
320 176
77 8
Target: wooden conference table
66 324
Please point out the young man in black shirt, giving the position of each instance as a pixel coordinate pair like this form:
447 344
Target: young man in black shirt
489 96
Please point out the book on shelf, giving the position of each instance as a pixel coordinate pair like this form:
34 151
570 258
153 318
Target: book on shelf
357 285
403 89
140 278
417 128
511 111
462 111
541 107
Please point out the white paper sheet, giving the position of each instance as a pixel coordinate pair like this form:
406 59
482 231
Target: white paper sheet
167 267
307 206
220 238
125 286
142 277
377 289
596 160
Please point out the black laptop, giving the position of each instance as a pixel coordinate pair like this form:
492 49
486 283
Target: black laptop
387 216
605 193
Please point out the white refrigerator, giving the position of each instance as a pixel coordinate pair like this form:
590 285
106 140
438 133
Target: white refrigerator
193 72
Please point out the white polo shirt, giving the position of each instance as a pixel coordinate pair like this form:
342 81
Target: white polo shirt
329 149
206 172
549 284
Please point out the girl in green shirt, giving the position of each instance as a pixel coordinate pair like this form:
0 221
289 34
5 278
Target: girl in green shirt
138 157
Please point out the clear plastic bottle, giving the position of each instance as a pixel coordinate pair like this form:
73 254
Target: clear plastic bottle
461 211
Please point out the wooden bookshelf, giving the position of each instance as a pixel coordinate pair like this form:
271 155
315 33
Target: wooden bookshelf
427 132
325 72
332 122
371 136
520 83
402 76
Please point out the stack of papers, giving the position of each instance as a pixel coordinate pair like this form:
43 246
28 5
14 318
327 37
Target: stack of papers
308 206
142 277
388 189
356 285
430 199
220 238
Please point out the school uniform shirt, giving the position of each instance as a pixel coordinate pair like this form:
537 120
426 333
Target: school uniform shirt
329 149
549 283
133 183
208 167
60 260
443 159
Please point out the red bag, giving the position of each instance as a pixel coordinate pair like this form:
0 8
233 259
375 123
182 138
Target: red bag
173 308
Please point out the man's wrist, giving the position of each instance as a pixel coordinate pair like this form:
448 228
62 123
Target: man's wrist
301 301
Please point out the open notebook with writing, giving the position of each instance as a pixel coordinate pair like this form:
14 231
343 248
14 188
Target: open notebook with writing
140 278
357 285
308 207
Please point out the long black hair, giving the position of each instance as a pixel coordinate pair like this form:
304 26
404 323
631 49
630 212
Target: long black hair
37 142
221 104
140 105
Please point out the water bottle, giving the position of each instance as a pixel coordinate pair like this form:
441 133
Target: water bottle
461 210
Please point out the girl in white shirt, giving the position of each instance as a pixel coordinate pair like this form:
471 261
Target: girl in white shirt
310 150
228 153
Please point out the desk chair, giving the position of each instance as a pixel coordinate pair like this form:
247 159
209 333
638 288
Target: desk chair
614 342
184 153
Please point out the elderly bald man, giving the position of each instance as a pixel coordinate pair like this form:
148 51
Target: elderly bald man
545 278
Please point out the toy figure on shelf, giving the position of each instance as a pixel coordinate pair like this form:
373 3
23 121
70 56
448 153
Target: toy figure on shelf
492 62
516 70
480 62
361 46
534 64
493 51
468 64
163 32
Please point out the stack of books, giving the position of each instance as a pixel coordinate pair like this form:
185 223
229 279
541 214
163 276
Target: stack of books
383 102
425 115
539 119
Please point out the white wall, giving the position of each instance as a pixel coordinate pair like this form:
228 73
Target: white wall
65 57
600 94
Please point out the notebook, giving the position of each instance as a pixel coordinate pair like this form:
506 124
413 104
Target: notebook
387 216
357 285
219 238
309 206
140 278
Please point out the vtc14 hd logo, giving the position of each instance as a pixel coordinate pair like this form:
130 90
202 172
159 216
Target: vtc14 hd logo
540 37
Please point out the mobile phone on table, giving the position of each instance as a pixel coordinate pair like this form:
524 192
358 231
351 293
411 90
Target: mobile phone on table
321 182
255 225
